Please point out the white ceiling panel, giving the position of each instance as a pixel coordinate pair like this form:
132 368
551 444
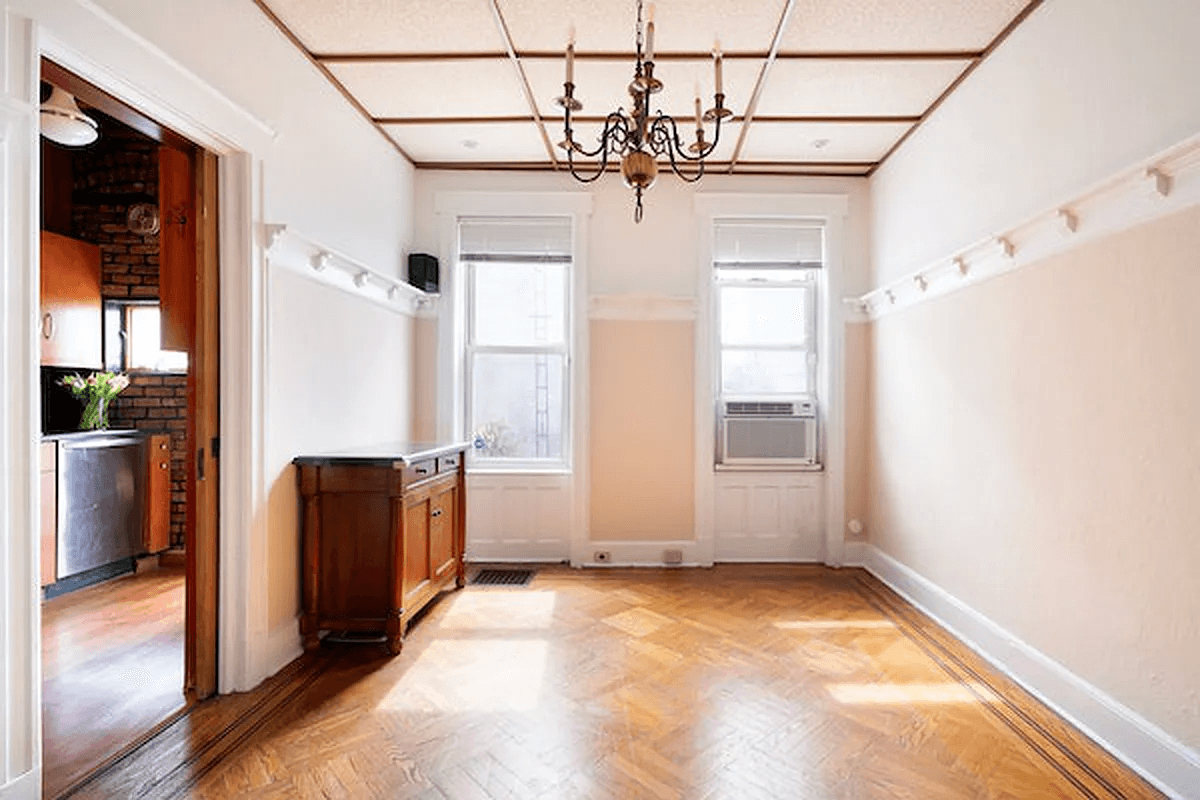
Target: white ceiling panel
907 25
472 87
503 141
792 141
835 88
680 25
602 86
392 26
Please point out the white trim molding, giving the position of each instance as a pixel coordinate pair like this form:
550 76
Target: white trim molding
286 247
625 553
1146 748
1156 187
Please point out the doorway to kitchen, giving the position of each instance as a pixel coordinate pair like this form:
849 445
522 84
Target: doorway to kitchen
129 332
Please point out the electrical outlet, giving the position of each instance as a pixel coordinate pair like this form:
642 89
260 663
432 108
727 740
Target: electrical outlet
602 556
672 557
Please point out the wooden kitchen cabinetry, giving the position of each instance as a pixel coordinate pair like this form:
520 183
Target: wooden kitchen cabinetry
71 305
383 534
156 532
48 473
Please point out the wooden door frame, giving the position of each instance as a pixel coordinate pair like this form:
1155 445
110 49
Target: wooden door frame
203 507
113 58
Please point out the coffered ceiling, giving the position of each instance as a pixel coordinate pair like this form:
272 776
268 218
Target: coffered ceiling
816 86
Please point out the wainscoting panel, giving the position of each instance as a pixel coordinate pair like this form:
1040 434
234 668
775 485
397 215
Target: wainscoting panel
519 517
769 516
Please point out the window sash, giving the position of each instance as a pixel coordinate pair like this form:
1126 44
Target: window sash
551 254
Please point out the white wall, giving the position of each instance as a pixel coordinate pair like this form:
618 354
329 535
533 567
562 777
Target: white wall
221 73
1031 436
1081 90
646 277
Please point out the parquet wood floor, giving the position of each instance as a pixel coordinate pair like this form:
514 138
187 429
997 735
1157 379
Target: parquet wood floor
112 669
741 682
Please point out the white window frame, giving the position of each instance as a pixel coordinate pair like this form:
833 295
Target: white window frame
813 348
467 269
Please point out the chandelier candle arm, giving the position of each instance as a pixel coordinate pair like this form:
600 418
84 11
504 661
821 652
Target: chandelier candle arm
638 136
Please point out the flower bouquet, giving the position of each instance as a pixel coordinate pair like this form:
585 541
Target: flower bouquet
99 388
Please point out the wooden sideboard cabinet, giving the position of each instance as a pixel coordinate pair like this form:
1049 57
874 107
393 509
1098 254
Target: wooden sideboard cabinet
383 534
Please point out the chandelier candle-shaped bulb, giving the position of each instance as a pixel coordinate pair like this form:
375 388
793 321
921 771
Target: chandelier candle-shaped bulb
571 55
699 116
717 65
650 32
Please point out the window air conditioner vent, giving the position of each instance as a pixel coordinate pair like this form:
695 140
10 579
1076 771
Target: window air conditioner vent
753 408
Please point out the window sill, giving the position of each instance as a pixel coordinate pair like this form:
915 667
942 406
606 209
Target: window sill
767 468
518 471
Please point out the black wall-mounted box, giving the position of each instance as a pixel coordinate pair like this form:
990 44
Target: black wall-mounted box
423 271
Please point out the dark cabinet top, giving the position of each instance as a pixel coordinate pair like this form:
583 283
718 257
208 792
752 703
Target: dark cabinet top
384 454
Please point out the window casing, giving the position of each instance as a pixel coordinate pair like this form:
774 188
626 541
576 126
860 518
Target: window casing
518 275
766 289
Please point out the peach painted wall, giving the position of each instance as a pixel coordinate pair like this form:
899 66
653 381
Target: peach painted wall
642 469
857 404
424 386
1036 453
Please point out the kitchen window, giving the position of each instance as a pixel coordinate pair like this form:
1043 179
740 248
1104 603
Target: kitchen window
518 331
133 339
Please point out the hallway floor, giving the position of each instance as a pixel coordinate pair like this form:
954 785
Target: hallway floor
112 669
749 681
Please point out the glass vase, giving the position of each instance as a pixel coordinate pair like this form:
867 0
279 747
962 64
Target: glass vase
95 414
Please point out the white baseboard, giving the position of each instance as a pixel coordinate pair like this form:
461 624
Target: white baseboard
856 554
641 554
27 787
1149 750
283 647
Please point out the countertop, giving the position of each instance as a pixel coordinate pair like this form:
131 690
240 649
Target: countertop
384 454
78 435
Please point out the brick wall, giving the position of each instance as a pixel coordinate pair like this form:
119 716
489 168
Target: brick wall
158 404
110 177
120 170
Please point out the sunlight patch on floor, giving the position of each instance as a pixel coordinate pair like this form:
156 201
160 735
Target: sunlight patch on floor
910 693
502 609
834 624
468 675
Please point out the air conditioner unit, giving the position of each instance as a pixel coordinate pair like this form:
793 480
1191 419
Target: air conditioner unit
768 432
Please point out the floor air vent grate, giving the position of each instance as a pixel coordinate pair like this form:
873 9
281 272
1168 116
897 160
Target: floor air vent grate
502 577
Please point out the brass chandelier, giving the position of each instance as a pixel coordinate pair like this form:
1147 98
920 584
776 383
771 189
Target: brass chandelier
638 136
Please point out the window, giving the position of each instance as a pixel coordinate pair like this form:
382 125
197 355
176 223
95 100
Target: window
518 277
132 339
765 287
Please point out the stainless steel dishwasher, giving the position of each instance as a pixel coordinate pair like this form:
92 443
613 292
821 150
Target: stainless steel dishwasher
101 489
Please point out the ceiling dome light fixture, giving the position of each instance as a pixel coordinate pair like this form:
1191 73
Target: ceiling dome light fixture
62 121
636 136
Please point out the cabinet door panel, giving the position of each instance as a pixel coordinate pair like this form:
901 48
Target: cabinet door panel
416 547
158 496
177 248
441 530
71 306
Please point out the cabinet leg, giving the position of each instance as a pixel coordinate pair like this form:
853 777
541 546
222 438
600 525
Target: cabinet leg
310 632
394 631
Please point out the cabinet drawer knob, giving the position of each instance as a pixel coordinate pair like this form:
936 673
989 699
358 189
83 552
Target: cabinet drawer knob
437 512
421 471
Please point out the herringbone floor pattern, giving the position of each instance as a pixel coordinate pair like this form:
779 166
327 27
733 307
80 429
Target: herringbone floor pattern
736 682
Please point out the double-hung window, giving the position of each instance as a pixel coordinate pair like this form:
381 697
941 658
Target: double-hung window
766 277
518 330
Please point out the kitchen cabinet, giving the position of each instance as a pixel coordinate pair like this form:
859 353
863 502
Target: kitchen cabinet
383 535
156 535
71 306
48 473
177 249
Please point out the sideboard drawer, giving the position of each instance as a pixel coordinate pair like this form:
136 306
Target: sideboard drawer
420 470
449 463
